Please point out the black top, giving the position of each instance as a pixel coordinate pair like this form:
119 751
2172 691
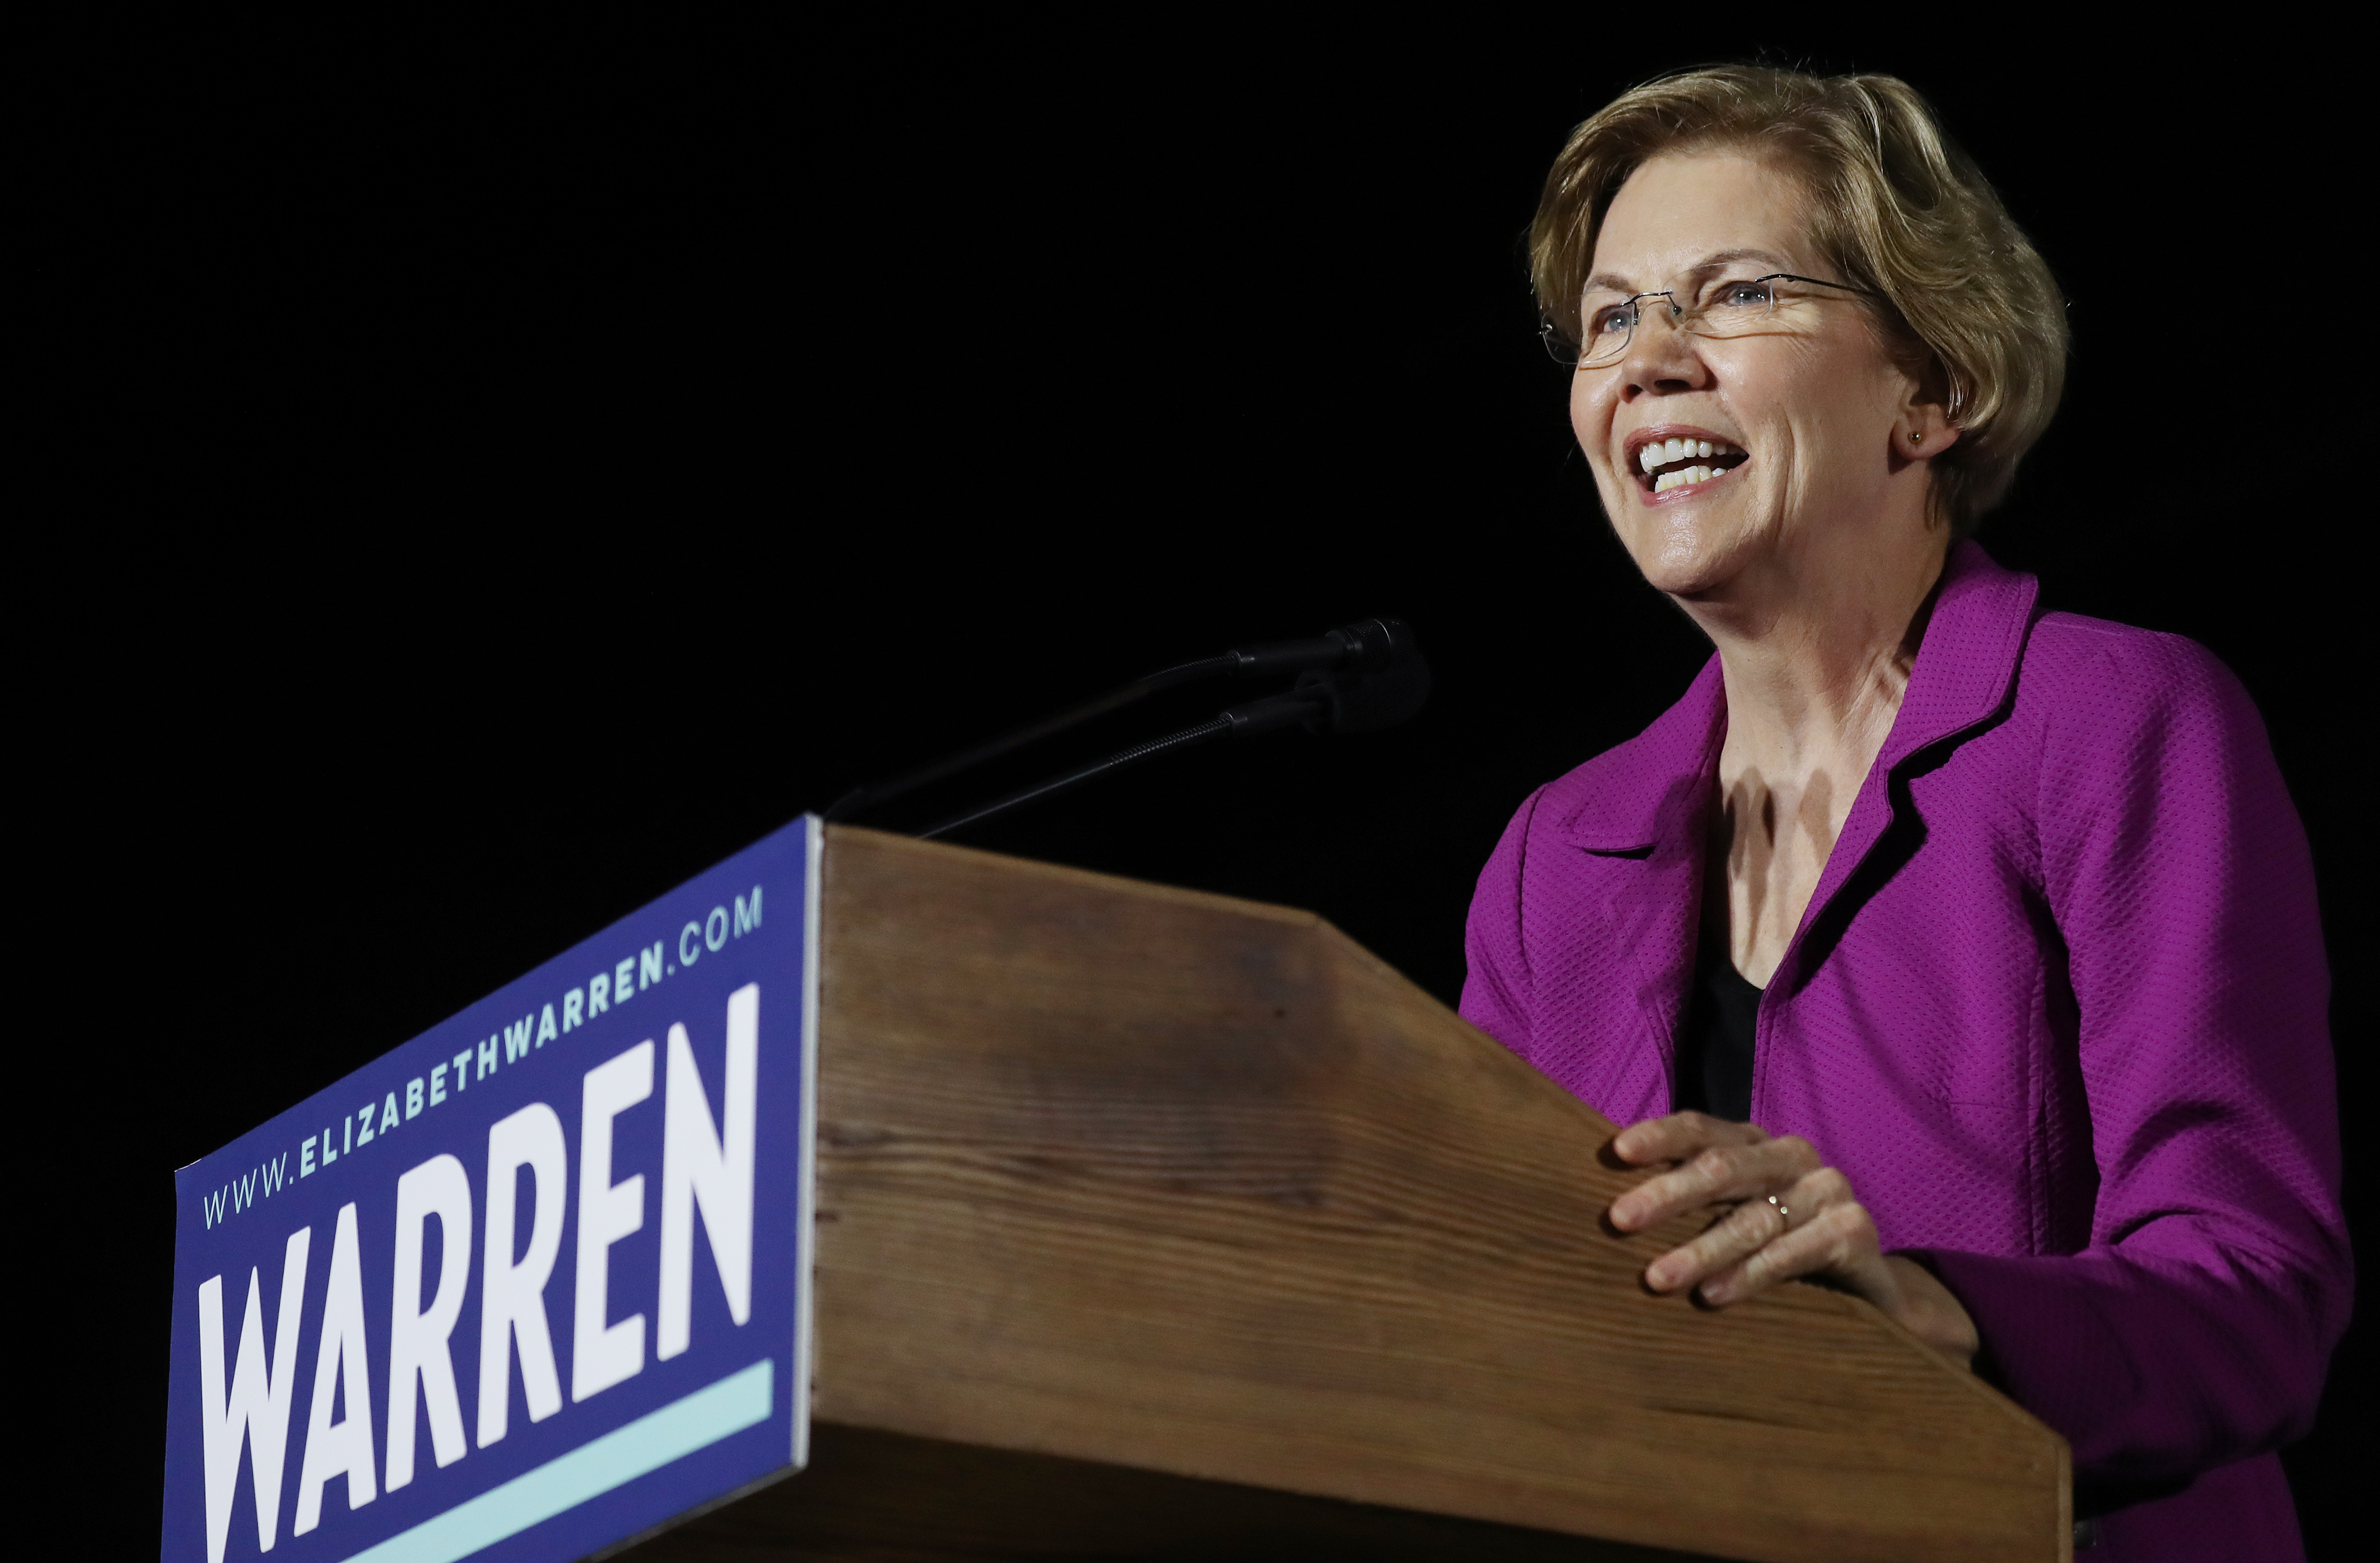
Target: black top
1715 1044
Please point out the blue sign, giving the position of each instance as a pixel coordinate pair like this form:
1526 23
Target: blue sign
533 1283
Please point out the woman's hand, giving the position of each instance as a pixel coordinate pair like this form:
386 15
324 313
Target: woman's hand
1797 1216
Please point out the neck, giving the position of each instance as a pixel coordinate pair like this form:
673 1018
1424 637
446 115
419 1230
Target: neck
1817 649
1816 653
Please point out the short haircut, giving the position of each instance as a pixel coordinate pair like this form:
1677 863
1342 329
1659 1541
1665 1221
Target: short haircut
1966 302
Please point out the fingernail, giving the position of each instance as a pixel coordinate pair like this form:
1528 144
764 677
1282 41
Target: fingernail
1717 1292
1657 1277
1623 1213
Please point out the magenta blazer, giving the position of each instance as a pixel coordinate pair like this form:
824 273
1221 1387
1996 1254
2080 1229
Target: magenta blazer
2057 1009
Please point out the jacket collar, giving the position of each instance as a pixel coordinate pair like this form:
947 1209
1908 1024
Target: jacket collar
1964 676
1967 663
1631 800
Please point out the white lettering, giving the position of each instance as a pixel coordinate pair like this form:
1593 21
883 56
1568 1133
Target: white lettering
599 988
517 1037
462 1069
545 1027
745 923
305 1155
623 980
487 1058
437 1085
649 966
574 1008
418 1352
602 1354
699 1164
689 944
256 1408
341 1363
413 1097
512 1296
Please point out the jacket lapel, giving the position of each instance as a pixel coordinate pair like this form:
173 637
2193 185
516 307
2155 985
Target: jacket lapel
1641 824
1965 675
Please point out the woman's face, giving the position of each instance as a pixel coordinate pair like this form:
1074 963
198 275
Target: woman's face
1820 414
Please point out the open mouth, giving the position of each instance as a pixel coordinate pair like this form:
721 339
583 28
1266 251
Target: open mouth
1663 464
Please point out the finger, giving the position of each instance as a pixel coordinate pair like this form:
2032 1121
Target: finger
1816 1190
1745 1233
1722 1172
1727 1244
1678 1136
1835 1242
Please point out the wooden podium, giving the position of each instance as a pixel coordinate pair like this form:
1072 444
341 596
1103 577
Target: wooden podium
1157 1224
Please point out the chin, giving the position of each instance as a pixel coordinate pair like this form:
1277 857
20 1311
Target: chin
1686 551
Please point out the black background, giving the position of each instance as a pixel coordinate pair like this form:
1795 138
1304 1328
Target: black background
489 477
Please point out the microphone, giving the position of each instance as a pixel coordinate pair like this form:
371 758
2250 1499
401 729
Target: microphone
1347 702
1354 701
1368 645
1373 698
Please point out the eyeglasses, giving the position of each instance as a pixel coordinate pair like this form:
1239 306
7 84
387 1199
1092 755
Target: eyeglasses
1723 309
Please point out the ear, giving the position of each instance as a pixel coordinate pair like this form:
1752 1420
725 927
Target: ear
1920 438
1923 429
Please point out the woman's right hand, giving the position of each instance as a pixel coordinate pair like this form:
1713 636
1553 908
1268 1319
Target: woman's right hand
1793 1218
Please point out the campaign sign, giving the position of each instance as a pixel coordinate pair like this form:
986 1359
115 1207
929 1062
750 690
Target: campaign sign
535 1282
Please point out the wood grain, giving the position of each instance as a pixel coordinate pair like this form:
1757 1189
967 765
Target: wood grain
870 1497
1123 1173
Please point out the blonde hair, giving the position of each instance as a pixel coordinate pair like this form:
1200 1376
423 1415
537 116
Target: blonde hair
1966 302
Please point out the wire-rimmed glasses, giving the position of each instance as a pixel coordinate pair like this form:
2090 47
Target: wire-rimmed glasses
1735 306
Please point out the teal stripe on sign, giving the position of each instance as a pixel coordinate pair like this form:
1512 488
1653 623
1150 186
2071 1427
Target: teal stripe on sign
735 1402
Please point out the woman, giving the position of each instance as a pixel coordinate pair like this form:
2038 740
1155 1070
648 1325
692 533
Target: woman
1965 952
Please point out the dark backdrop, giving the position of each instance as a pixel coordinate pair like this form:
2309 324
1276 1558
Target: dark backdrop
499 474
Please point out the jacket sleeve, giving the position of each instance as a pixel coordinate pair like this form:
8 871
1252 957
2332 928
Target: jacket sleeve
2197 1327
1497 996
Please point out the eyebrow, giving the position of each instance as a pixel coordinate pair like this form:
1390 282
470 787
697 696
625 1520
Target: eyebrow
1708 265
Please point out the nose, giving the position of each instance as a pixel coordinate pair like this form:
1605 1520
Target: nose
1662 359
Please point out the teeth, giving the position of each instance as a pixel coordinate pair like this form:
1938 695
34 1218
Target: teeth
1684 476
1668 452
1661 453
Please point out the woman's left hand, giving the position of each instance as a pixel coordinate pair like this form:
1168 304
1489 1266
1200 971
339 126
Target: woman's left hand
1797 1216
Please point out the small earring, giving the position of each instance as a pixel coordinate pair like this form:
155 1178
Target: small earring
1915 437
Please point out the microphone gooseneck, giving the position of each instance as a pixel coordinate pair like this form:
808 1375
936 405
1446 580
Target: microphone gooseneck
1219 727
1342 687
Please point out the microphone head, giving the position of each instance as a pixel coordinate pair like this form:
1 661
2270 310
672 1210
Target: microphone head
1366 645
1367 702
1374 645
